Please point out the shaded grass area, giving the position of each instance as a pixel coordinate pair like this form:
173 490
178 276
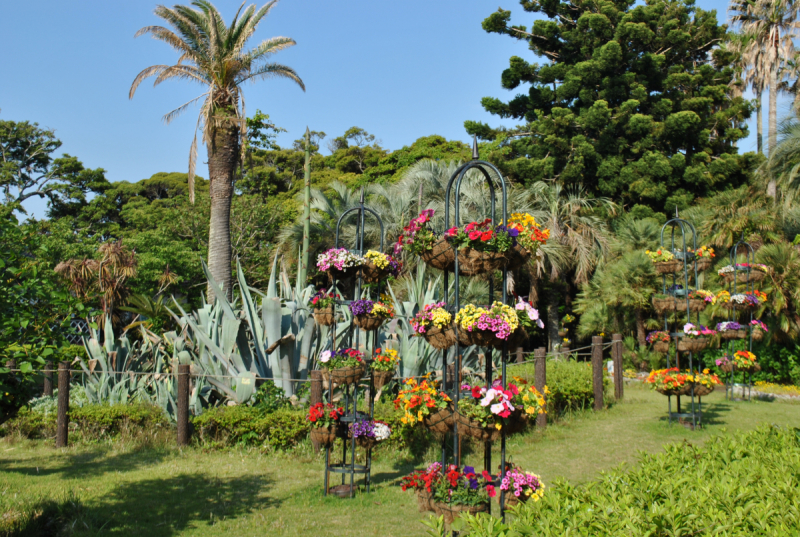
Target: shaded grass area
119 489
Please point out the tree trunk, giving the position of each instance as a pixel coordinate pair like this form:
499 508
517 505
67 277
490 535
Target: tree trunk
223 156
303 276
772 139
640 333
552 317
759 125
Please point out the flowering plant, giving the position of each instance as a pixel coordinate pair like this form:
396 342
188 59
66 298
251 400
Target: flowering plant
463 487
378 430
368 307
723 297
493 407
342 358
523 485
756 324
742 267
660 255
324 415
706 378
500 319
385 360
728 326
741 359
423 479
667 379
338 258
419 399
430 316
417 237
483 236
657 336
323 300
527 315
705 252
531 235
384 262
702 294
692 331
567 318
754 299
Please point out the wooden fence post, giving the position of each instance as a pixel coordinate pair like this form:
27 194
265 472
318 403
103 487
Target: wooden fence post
616 353
597 371
540 379
48 378
62 419
315 397
519 355
183 404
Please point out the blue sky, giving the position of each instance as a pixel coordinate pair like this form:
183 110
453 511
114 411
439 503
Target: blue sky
400 70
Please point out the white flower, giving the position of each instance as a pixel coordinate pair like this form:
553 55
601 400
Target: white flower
521 305
487 400
382 431
324 356
539 323
497 408
533 314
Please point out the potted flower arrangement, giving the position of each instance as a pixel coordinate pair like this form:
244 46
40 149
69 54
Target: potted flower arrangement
704 257
669 381
422 402
417 238
369 433
757 329
462 491
324 421
490 327
530 238
423 482
345 366
520 486
695 338
744 361
699 299
323 304
743 272
659 339
664 303
378 266
664 261
482 246
746 301
384 365
339 263
435 324
562 332
731 330
484 413
369 315
704 383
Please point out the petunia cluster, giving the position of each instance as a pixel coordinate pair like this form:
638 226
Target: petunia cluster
323 300
756 324
691 331
384 262
368 307
751 299
483 236
417 237
702 294
657 336
420 480
338 258
324 415
495 405
500 319
523 485
728 326
378 430
464 487
347 357
431 315
527 315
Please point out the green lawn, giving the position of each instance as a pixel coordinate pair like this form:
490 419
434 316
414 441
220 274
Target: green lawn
164 492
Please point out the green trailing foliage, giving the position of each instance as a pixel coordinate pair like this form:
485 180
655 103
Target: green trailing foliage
744 484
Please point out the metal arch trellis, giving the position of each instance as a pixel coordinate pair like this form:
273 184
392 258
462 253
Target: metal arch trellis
454 386
350 392
687 258
733 289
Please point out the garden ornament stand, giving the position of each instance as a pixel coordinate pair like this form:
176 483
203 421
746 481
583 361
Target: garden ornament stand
679 275
350 386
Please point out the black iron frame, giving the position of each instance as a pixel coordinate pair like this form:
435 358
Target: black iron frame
733 289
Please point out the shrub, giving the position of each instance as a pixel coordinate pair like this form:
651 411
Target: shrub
743 484
569 382
281 429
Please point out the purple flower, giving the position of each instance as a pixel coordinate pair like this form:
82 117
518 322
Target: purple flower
361 307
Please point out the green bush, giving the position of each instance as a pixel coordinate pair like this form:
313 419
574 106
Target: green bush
569 382
743 484
244 425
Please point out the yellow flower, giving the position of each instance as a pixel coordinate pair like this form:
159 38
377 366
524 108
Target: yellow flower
529 410
498 426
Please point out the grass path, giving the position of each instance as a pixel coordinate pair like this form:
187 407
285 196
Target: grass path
167 492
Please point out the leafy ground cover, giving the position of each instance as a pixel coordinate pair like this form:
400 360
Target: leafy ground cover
123 488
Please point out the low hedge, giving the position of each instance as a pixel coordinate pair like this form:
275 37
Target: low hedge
244 425
742 484
569 382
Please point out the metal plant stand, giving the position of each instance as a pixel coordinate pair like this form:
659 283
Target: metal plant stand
347 466
733 288
678 246
453 385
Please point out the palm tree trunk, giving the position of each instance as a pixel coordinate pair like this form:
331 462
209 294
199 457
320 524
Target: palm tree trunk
552 317
759 126
772 140
640 333
223 155
306 213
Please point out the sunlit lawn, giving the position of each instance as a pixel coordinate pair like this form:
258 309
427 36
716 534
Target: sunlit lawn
164 492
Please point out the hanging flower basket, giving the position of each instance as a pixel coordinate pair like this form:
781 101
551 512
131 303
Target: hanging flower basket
343 274
371 273
490 433
324 436
472 262
440 339
452 510
381 378
697 304
368 322
728 367
441 256
517 257
682 390
668 267
733 334
324 316
343 376
424 501
692 344
661 346
664 305
701 390
562 333
440 421
757 333
703 263
487 338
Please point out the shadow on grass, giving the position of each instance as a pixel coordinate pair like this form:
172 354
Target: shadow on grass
153 507
88 463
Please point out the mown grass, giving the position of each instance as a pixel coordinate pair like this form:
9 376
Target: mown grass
121 488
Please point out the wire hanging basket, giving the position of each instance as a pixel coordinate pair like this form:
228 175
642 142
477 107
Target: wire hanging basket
440 339
441 256
324 316
343 376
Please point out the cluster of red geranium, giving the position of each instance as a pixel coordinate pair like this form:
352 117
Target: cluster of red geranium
423 479
324 415
475 230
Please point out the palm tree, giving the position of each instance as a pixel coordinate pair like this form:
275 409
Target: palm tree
748 65
770 25
783 165
212 54
732 214
783 288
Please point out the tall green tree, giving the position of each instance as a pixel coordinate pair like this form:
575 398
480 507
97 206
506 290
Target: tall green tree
631 101
213 54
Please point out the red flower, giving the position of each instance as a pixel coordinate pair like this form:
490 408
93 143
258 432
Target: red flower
476 392
513 389
486 475
475 235
452 232
486 235
490 490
